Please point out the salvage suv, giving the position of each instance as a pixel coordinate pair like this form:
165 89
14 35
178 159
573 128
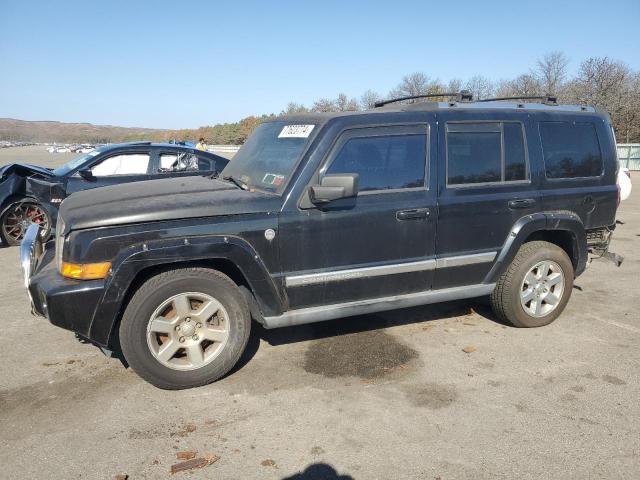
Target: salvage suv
324 216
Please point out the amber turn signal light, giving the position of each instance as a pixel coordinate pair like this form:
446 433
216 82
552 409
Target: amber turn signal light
85 271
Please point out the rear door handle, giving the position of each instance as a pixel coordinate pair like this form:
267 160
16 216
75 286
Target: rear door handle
522 203
413 214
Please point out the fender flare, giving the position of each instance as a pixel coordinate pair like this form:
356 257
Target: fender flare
166 252
546 221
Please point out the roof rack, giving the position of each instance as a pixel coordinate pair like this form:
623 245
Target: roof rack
547 99
461 96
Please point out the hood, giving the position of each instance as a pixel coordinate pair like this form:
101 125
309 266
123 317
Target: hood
156 200
24 169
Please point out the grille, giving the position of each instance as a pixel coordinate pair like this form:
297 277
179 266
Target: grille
596 236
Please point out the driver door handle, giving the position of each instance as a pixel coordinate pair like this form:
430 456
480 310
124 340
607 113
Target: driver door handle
522 203
413 214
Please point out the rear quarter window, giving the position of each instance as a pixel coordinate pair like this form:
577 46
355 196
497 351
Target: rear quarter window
570 149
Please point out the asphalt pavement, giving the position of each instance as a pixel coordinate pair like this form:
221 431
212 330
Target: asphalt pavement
385 396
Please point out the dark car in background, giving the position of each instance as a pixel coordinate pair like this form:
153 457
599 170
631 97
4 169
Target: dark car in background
32 194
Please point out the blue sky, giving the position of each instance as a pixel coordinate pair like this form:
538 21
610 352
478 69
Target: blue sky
182 64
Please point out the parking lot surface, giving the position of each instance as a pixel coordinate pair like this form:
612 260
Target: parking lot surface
383 396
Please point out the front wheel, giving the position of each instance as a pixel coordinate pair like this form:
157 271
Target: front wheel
535 288
185 328
18 216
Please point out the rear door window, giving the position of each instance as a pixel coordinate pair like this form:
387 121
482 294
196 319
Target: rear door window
485 152
181 162
571 150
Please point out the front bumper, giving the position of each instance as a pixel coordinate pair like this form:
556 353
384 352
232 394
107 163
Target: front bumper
69 304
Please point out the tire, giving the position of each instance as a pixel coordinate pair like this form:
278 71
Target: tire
18 215
533 275
145 320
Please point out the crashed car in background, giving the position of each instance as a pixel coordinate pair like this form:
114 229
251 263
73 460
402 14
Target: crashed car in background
32 194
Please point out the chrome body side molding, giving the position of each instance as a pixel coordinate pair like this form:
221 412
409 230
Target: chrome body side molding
462 260
352 273
360 307
366 272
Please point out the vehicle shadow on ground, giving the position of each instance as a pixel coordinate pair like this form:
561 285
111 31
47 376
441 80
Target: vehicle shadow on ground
363 323
318 471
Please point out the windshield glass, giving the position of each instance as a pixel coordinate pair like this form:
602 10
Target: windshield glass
75 163
268 157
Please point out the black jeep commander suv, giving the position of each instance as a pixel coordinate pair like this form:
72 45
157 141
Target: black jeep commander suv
323 216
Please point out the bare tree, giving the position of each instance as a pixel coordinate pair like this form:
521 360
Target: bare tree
525 85
369 99
480 86
324 105
343 103
293 108
610 85
416 84
454 85
551 72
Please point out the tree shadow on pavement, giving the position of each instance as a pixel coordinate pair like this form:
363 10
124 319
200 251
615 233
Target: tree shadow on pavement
318 471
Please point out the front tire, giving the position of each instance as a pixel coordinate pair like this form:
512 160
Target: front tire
535 288
185 328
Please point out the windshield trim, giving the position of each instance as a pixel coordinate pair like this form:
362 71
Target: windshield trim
312 138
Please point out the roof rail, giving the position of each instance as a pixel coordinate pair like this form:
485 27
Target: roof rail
547 99
461 96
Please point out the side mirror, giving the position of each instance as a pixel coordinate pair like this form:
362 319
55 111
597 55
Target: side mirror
86 174
334 187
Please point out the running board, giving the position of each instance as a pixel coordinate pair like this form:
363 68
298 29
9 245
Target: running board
361 307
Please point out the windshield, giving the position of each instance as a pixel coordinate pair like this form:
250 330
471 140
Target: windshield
75 163
268 157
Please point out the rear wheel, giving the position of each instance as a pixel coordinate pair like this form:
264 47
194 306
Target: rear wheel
185 328
535 288
17 217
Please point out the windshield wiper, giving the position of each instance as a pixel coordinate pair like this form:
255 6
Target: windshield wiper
236 182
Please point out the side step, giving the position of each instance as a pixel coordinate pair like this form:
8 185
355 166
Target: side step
361 307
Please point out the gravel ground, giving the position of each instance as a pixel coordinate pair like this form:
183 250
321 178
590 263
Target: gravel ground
382 396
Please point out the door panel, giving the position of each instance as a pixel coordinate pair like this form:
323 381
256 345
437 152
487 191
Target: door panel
379 244
486 187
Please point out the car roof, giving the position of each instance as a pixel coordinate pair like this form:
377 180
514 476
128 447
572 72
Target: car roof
155 145
422 106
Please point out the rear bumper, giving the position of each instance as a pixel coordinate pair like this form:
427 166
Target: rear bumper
69 304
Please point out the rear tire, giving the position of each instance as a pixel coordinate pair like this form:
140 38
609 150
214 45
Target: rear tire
535 288
185 328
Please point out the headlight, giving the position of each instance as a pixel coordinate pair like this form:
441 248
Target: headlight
77 271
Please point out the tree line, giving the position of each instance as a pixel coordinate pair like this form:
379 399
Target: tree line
599 81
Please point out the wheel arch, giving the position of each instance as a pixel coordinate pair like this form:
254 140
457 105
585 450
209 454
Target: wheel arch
564 229
230 256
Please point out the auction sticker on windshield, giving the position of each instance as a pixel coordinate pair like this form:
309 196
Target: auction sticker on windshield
296 131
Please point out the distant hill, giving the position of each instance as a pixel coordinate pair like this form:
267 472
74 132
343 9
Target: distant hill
50 131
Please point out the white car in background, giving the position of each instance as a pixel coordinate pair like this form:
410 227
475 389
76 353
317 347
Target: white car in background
624 183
